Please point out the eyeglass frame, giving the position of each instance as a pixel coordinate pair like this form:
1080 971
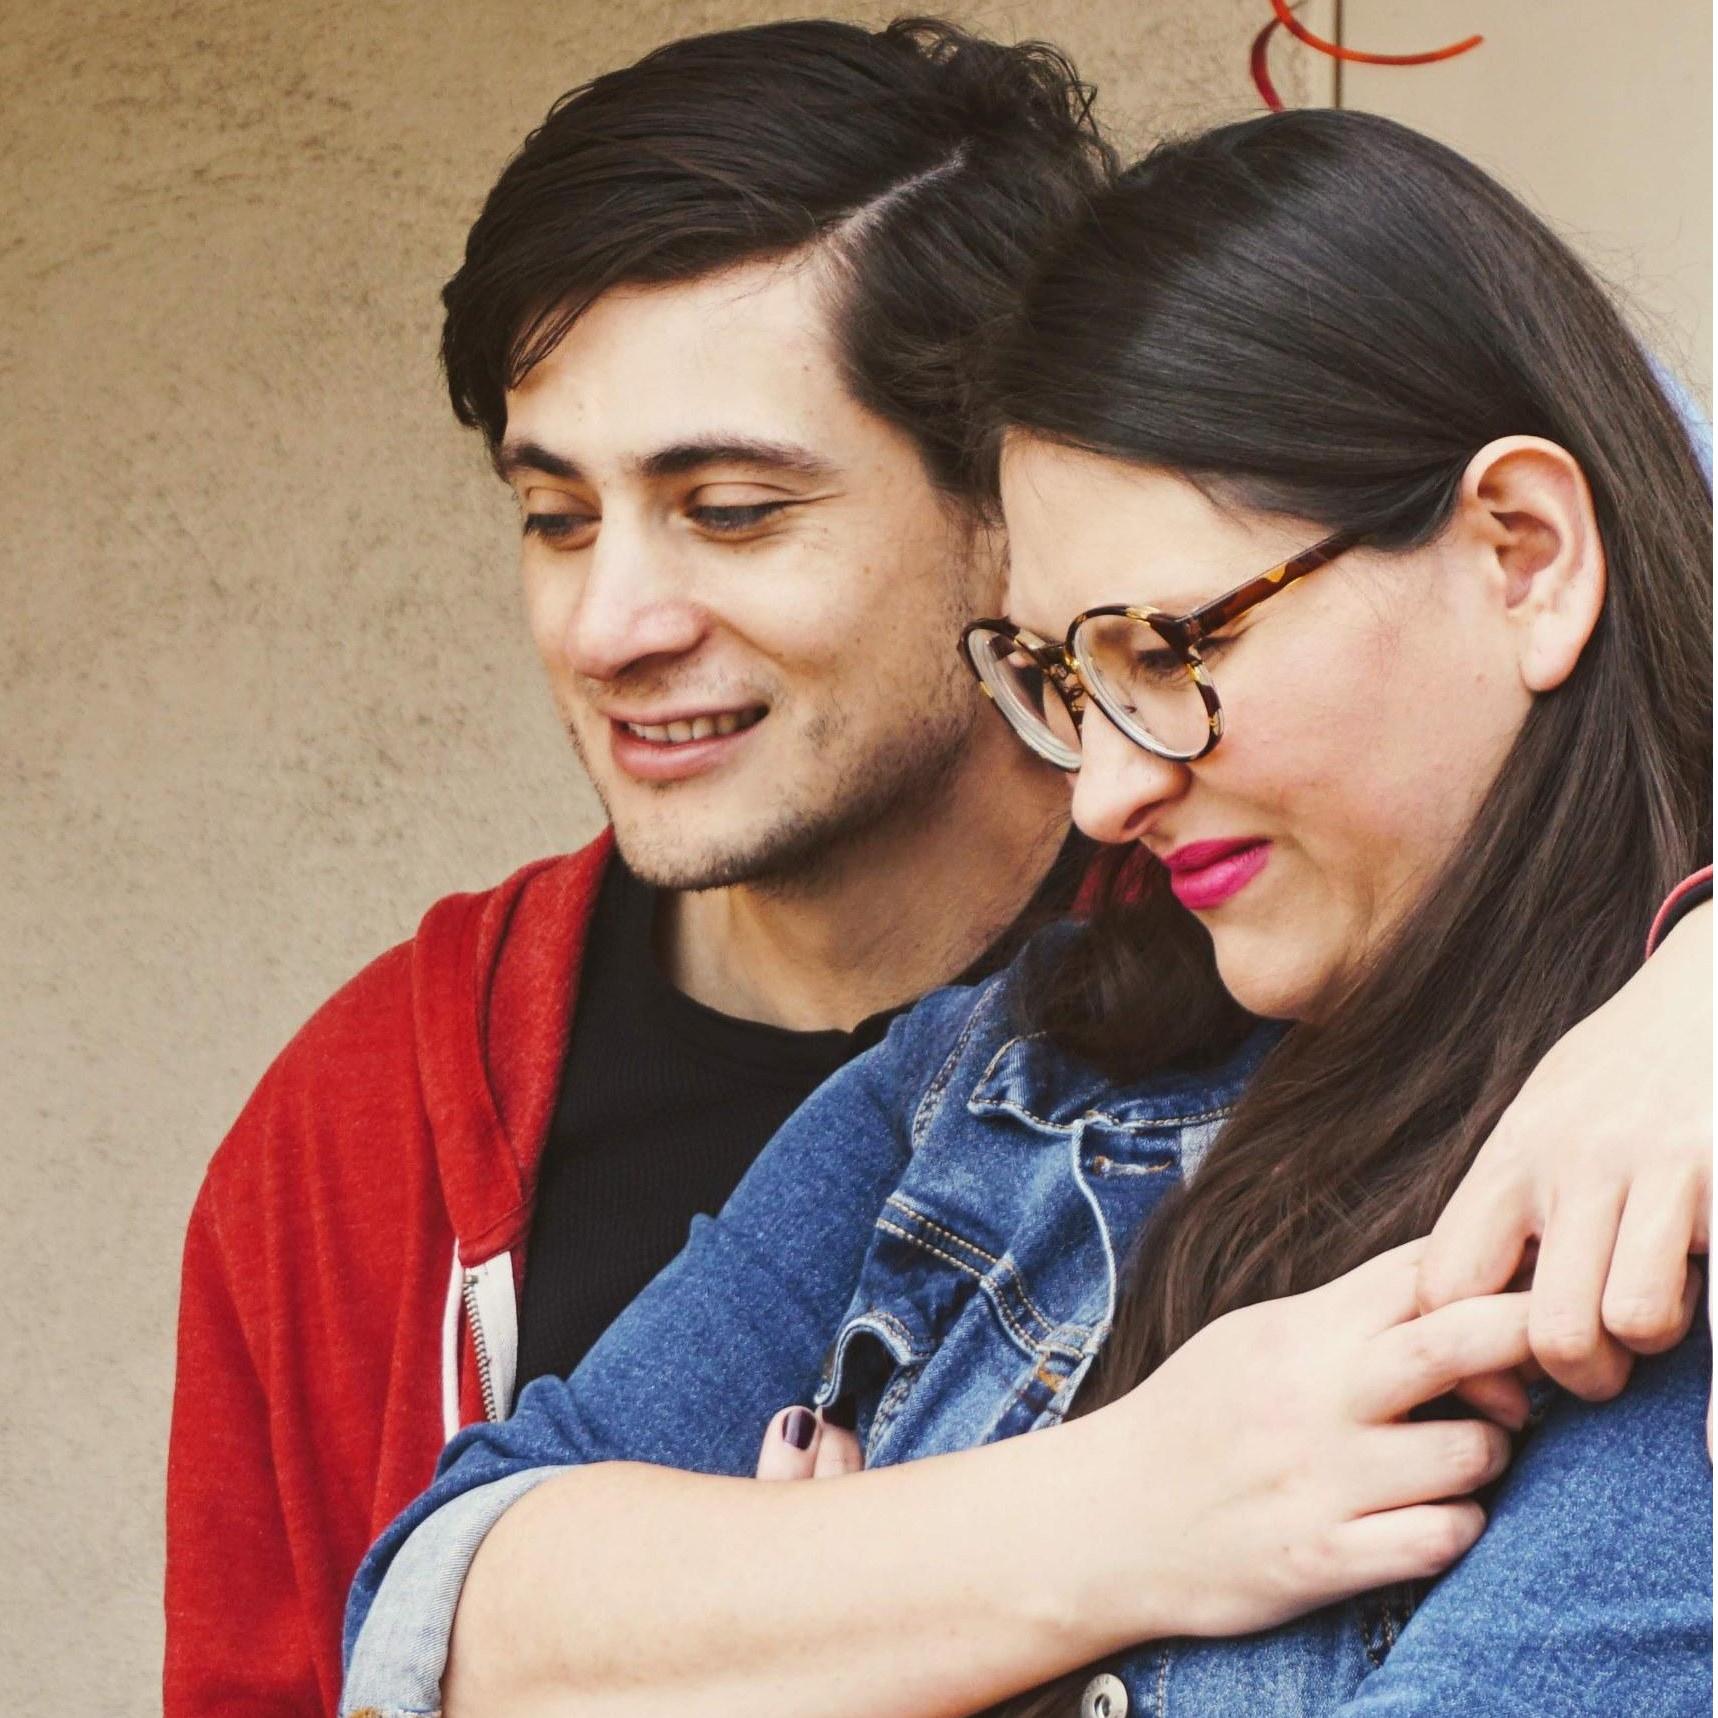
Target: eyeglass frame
1182 633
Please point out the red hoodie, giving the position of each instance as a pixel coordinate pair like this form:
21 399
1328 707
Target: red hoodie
348 1298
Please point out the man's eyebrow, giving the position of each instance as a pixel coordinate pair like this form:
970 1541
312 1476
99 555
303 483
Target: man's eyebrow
512 457
685 456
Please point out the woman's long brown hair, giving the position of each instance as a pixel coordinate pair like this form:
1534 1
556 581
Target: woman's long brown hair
1326 315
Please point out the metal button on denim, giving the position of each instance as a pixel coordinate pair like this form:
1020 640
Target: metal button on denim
1105 1697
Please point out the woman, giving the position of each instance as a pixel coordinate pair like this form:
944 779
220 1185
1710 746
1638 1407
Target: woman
1312 413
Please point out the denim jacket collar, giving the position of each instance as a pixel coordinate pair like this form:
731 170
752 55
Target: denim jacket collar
1051 1091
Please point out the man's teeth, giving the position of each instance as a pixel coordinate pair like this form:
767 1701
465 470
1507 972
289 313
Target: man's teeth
699 728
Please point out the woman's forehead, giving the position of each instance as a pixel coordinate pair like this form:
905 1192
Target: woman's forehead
1085 529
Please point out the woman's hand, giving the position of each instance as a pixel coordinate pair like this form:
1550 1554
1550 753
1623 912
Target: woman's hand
1605 1161
1269 1466
799 1444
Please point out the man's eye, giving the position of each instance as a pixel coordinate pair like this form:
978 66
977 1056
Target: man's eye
556 527
735 519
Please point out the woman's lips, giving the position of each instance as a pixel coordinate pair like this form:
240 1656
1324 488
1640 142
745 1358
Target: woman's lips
1204 874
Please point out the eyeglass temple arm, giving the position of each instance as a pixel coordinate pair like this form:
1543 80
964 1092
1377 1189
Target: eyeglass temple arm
1233 604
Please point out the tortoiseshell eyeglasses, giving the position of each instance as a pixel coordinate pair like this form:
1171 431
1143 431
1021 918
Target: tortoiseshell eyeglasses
1141 667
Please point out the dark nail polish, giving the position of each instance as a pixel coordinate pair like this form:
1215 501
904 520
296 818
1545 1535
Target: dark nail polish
799 1428
842 1412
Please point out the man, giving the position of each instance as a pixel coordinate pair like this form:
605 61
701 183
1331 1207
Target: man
716 324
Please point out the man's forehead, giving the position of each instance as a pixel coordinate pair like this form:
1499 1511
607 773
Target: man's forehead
772 316
735 368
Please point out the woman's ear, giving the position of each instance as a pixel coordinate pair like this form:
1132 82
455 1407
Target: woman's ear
1527 502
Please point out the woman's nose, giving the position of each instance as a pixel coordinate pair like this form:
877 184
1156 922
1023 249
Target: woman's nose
1120 786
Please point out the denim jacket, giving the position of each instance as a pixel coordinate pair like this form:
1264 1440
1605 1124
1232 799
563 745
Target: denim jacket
937 1233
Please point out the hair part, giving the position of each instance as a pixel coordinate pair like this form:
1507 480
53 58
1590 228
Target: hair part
930 164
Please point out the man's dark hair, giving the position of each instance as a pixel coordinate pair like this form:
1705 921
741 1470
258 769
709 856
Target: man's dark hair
932 164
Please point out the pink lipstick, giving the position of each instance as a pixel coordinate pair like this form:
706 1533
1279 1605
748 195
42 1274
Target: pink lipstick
1204 874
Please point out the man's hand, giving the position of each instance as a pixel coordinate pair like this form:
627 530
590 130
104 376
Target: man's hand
799 1444
1604 1161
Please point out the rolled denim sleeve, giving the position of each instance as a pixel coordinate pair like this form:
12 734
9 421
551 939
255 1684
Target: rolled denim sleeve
733 1329
1590 1593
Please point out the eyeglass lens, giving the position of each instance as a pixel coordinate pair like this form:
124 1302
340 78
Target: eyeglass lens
1143 686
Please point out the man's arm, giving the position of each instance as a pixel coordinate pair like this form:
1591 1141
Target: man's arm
228 1564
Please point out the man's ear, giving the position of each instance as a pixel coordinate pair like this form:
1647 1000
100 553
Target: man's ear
1527 503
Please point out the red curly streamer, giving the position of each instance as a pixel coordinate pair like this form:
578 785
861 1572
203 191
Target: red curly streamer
1356 56
1260 62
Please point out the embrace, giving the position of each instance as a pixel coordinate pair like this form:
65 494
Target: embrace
1150 718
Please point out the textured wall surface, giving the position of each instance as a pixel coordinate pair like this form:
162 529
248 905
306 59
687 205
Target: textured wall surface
1599 115
264 690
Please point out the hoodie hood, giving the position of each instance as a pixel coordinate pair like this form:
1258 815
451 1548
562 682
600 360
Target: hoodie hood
494 977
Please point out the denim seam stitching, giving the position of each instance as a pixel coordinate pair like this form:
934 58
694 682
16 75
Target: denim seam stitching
900 1202
890 1403
1004 1266
1013 1107
1157 1124
1076 1156
933 1097
1035 1348
876 1315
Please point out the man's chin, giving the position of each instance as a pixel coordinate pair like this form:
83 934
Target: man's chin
673 847
682 860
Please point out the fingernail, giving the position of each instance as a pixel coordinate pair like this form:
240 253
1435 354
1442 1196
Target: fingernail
842 1412
799 1428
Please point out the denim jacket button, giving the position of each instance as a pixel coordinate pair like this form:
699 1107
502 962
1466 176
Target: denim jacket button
1105 1697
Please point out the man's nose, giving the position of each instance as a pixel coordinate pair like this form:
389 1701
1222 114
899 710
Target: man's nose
632 605
1120 786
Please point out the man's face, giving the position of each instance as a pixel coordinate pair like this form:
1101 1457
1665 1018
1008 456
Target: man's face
742 583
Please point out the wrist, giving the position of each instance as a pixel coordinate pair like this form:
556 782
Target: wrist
1123 1587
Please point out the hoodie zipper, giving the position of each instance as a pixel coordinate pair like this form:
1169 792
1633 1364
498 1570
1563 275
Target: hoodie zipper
485 1368
486 1292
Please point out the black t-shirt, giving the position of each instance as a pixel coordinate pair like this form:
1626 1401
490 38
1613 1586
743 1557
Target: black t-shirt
663 1105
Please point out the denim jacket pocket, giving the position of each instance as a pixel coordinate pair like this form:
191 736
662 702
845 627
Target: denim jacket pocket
946 1344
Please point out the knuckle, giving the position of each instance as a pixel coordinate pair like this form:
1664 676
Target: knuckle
1439 1280
1468 1453
1312 1559
1442 1538
1642 1315
1511 1143
1562 1335
1423 1348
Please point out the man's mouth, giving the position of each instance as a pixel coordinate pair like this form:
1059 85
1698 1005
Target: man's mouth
682 745
679 733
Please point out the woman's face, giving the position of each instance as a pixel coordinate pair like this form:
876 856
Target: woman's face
1367 709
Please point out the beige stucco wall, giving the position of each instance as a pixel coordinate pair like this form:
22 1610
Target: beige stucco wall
1600 115
263 688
